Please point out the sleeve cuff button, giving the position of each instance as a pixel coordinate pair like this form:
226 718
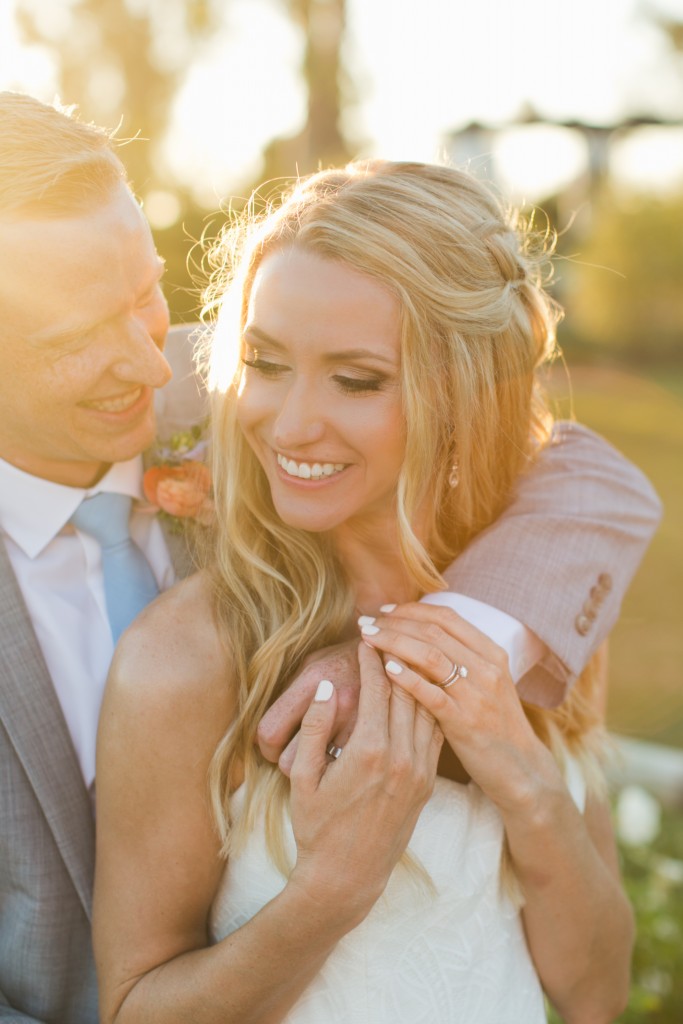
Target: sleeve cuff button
583 624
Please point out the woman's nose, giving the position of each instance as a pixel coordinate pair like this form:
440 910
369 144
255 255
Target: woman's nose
300 420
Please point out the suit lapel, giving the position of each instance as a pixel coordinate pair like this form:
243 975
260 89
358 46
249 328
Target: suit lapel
33 719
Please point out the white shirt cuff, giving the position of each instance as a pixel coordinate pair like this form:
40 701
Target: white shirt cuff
524 649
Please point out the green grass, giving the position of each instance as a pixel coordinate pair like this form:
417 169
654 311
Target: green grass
643 417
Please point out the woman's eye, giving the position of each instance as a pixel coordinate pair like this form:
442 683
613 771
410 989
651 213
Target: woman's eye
263 367
358 385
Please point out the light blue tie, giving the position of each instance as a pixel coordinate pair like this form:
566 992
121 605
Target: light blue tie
129 583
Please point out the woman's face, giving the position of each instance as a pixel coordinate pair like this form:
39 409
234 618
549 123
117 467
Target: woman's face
319 401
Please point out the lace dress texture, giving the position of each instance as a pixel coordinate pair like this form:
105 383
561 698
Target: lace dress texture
455 955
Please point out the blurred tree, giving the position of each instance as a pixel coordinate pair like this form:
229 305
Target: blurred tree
121 61
669 21
623 290
321 141
124 60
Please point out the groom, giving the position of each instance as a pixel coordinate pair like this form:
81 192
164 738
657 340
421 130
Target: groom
82 333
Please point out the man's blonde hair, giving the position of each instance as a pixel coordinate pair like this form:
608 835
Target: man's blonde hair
51 163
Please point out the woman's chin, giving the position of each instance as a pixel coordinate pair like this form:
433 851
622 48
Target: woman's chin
307 519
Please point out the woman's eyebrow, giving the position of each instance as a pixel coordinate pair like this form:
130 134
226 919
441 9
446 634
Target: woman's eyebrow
259 335
333 357
359 353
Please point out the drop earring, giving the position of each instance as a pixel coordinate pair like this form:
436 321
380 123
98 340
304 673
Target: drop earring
454 475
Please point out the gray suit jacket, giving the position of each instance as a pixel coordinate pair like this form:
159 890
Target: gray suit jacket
559 560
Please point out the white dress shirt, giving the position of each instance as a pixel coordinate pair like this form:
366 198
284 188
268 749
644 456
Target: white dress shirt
59 571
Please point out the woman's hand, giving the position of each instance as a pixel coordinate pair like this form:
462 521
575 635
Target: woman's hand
353 817
479 712
577 921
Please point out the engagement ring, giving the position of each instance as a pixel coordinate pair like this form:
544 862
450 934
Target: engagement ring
457 672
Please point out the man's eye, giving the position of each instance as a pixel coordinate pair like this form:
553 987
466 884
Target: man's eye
358 385
150 296
265 368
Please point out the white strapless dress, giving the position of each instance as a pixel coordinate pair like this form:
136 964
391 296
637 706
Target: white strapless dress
456 956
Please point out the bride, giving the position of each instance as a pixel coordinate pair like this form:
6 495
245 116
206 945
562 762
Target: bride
373 369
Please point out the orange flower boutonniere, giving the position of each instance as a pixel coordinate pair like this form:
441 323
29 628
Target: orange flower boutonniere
179 484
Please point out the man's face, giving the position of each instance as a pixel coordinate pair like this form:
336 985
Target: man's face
83 323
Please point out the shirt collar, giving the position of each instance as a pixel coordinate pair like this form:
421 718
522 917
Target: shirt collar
33 510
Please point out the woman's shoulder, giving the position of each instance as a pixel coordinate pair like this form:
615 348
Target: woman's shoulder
173 653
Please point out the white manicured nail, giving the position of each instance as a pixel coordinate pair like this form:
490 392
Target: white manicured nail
387 607
369 630
366 620
394 668
324 691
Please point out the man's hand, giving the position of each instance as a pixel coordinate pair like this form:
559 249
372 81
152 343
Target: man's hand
278 732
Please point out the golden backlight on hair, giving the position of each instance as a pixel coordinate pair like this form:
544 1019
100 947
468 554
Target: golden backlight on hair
52 164
224 358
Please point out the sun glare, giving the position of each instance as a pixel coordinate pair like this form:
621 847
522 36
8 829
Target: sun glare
536 161
420 70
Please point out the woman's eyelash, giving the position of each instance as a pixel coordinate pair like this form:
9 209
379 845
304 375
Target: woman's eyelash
349 385
263 366
357 385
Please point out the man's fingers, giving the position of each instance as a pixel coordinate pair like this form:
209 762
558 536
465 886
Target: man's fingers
282 720
278 728
310 760
286 758
345 719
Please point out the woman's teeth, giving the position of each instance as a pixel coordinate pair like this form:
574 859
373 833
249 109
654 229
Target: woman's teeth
309 470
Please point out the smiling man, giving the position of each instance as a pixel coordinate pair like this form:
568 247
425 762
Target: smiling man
83 326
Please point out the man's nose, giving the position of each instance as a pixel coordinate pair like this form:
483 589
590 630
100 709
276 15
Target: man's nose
141 359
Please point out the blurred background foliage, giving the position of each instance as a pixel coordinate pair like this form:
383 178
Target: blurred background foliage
620 277
122 62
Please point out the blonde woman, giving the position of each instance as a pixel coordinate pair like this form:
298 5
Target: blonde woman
374 372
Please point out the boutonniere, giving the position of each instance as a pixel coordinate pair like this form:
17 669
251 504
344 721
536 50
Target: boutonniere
178 482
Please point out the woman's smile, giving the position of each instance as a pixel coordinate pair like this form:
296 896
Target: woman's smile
309 470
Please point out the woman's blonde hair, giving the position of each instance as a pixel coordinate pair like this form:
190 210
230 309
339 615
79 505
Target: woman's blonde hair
476 324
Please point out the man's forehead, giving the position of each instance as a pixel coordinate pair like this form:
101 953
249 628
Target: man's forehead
60 274
33 224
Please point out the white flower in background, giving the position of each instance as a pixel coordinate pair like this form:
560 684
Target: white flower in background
670 870
638 816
